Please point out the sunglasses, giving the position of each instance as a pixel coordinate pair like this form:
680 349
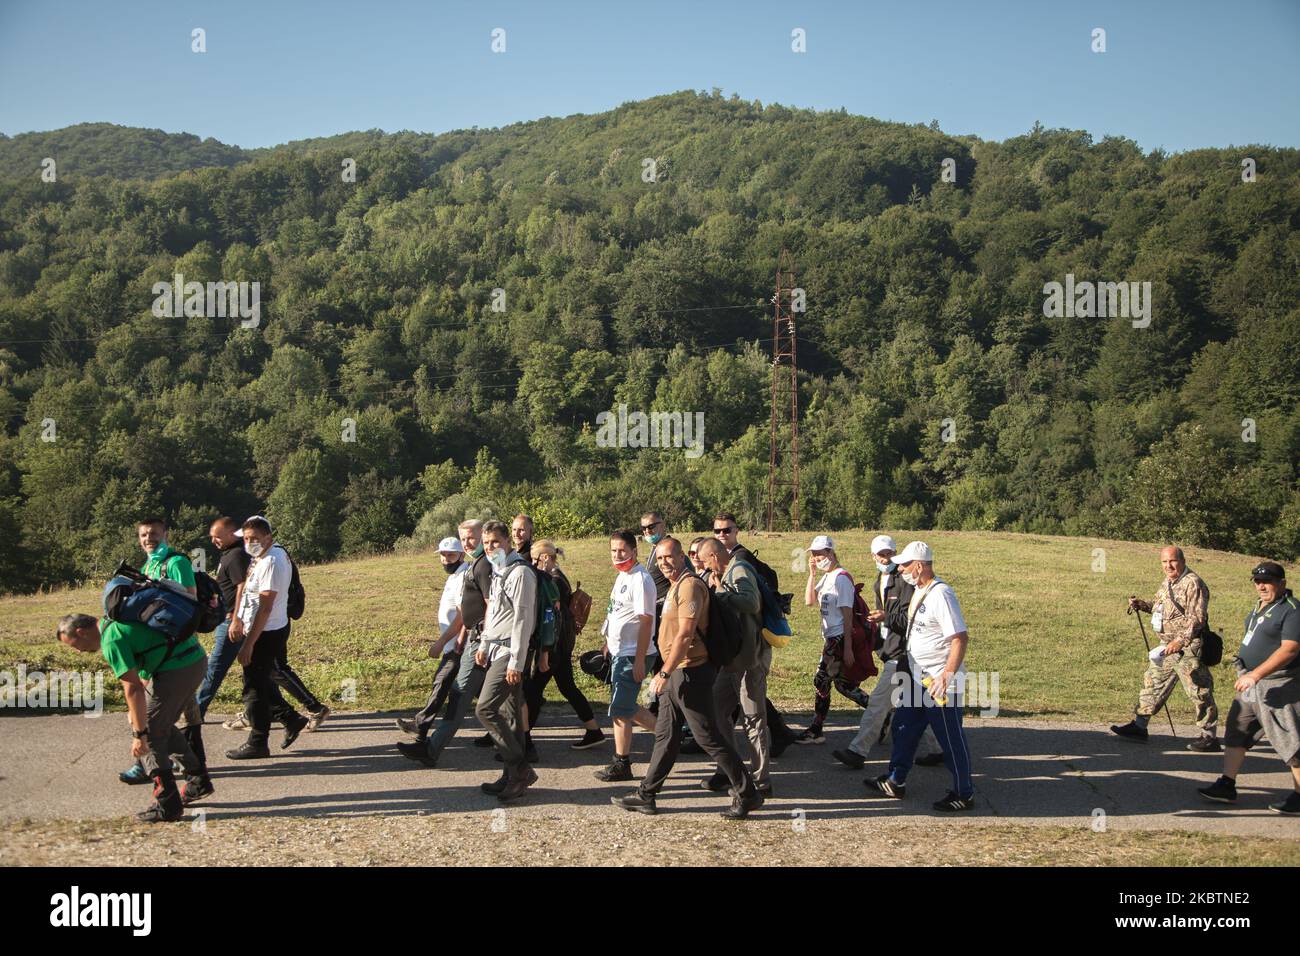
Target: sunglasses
691 553
651 527
723 530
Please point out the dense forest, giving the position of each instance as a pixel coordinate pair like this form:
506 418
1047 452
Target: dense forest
389 390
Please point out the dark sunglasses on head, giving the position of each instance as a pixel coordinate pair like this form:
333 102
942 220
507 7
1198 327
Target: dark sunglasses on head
723 530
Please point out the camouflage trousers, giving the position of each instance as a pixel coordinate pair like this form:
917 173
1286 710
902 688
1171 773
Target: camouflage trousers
1159 679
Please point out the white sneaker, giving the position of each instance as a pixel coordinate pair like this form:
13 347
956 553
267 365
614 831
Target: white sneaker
316 719
239 722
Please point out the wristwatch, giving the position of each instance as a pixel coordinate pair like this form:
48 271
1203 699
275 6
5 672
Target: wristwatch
140 734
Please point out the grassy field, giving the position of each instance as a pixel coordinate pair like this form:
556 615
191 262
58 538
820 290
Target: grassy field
1052 628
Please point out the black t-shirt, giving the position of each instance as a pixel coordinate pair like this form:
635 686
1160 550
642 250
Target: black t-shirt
473 600
1266 629
232 568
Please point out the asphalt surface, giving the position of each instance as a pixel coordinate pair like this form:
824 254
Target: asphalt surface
65 766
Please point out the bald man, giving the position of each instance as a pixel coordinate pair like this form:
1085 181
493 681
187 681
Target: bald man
1179 617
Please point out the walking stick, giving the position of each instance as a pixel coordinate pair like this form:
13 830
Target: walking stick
1148 647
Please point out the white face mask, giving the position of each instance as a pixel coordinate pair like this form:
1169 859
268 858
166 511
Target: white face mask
254 548
909 578
823 564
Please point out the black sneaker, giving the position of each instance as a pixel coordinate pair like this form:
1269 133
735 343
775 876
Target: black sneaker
718 783
849 758
813 735
740 809
485 741
779 744
952 803
247 751
407 726
417 751
1223 790
291 733
1130 731
195 789
620 769
764 791
883 784
930 760
591 738
1290 806
635 802
158 813
1205 744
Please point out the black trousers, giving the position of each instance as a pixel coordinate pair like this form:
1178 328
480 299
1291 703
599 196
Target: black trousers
689 698
562 671
262 699
443 678
287 678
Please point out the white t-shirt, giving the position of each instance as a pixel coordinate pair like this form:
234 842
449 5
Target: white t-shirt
834 591
270 572
632 596
938 618
449 604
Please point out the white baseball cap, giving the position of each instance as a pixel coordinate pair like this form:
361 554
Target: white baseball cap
882 542
916 551
239 532
822 542
451 545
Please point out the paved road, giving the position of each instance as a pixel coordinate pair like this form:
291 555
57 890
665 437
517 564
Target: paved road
1031 772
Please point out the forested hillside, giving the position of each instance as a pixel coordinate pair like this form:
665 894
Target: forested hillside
934 390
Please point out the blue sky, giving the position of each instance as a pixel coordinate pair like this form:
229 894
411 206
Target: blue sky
1176 75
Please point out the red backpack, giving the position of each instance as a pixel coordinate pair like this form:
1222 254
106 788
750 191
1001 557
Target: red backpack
865 638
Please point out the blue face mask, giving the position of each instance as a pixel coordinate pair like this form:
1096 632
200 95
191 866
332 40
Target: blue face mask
477 552
499 558
886 568
654 538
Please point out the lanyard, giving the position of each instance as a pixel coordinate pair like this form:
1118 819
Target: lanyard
1254 619
918 597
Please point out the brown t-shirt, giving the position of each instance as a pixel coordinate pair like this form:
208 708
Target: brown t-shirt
689 597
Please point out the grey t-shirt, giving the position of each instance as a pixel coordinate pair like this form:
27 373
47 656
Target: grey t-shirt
1266 629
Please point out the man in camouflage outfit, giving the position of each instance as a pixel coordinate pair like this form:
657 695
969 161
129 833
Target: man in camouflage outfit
1179 617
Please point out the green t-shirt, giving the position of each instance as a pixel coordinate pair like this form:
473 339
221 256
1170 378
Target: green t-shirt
162 566
126 646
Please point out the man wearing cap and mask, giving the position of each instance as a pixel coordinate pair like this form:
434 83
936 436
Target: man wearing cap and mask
1179 614
891 596
936 642
451 554
1267 688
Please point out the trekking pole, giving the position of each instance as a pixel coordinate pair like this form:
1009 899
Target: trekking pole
1148 647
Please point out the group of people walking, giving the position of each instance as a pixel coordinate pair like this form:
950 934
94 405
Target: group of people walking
691 620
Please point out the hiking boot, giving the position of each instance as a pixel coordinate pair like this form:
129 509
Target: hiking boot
1223 790
1290 806
291 733
247 751
636 802
166 806
591 738
620 769
740 809
718 783
160 813
496 786
849 758
884 784
1205 744
418 752
239 722
813 735
516 788
195 789
407 726
952 802
485 741
316 719
1131 731
930 760
135 775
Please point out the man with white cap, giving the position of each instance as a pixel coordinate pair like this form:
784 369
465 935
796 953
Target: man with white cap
936 642
833 594
451 555
891 595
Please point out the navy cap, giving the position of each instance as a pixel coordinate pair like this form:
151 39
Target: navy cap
1269 571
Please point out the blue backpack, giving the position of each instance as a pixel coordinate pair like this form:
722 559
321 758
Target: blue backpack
132 598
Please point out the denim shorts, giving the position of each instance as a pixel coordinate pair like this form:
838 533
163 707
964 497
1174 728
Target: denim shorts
623 690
